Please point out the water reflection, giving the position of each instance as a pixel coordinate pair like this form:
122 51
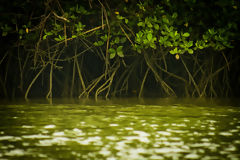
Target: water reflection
113 132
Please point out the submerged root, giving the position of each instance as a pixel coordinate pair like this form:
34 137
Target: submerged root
107 83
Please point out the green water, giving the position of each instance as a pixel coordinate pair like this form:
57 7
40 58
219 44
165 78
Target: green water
120 130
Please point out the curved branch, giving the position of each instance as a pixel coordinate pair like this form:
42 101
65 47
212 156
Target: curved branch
143 81
34 79
165 86
191 77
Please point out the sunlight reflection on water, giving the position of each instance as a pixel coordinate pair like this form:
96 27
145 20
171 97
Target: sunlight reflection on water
119 132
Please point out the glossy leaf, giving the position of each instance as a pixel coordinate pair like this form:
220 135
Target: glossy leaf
112 55
156 26
190 51
119 49
120 54
186 34
149 36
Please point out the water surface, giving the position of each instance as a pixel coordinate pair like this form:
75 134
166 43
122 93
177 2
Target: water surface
119 130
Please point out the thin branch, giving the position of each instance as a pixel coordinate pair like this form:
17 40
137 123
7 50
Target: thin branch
34 79
165 86
60 17
126 35
191 77
225 58
143 81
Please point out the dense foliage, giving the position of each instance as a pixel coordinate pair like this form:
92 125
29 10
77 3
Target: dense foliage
116 48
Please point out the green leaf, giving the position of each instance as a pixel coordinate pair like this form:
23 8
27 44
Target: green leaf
175 33
95 44
211 31
60 37
139 50
149 36
45 36
163 33
149 25
74 36
111 50
57 39
104 38
156 26
165 20
190 51
120 17
120 54
174 51
186 34
141 24
139 34
112 55
161 40
123 39
153 45
200 47
172 34
190 43
49 33
174 16
98 43
168 44
119 49
205 37
145 41
116 40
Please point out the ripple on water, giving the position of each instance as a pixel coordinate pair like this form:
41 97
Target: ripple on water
35 136
225 134
138 138
141 133
163 133
50 126
58 134
177 131
128 139
54 141
10 138
192 156
129 128
165 150
166 143
16 152
96 140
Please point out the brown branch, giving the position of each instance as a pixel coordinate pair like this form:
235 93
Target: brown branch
165 86
60 17
126 35
34 79
143 81
190 76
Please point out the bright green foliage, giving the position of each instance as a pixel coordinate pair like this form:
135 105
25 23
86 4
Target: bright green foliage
113 52
178 31
178 40
162 26
59 38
